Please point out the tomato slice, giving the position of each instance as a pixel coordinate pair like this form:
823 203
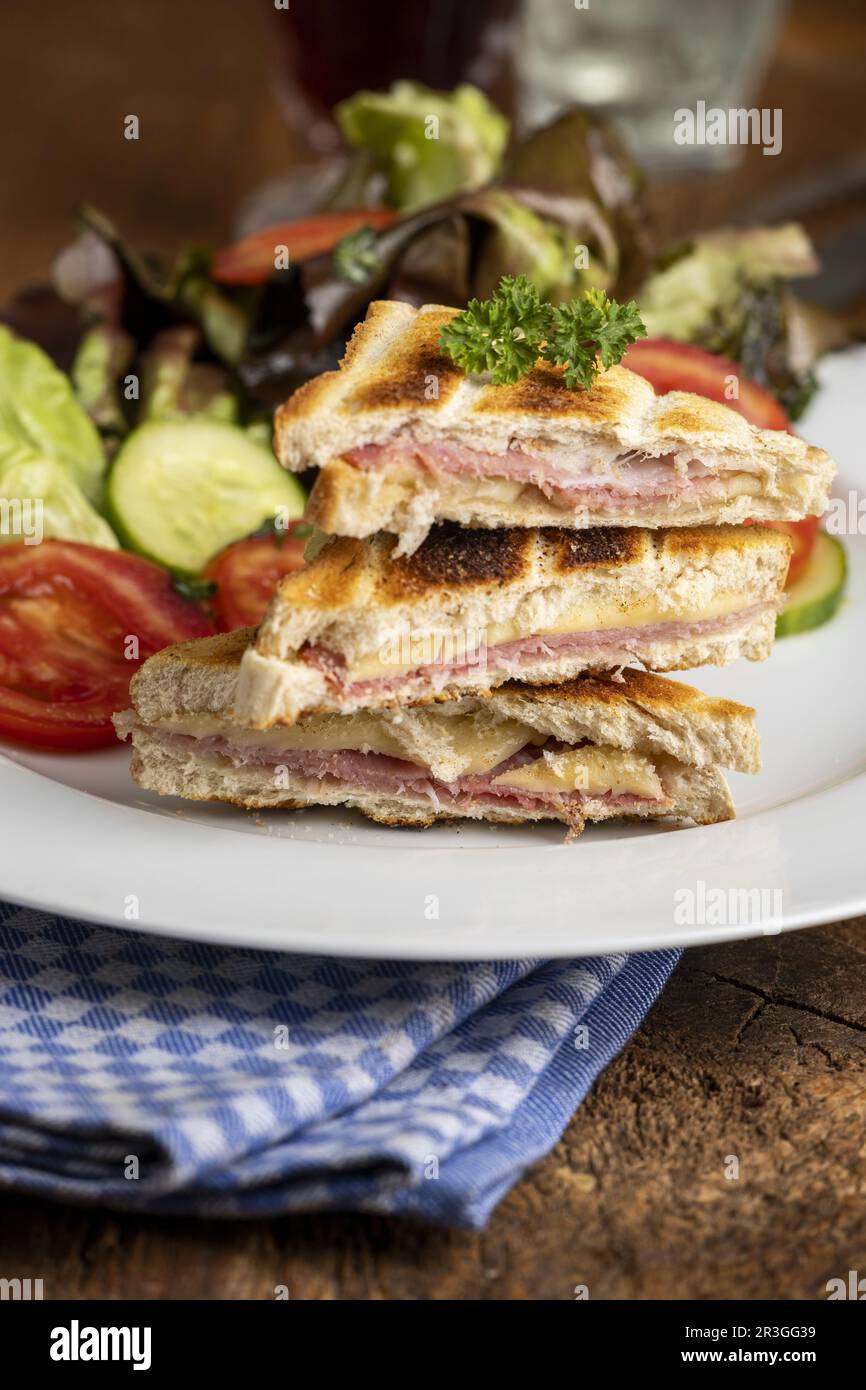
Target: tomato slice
75 622
247 573
804 534
672 366
250 261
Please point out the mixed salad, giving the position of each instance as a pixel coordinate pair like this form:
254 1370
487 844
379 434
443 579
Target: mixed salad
140 500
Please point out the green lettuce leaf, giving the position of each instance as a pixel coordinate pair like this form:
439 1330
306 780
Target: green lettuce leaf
102 355
429 145
41 417
726 291
66 514
706 279
174 385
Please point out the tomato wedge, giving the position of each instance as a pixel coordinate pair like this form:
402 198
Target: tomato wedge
247 573
250 261
75 622
672 366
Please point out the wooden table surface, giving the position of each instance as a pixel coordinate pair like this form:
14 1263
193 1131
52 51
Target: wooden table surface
756 1051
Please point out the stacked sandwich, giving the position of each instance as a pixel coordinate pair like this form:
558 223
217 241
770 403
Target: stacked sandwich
491 563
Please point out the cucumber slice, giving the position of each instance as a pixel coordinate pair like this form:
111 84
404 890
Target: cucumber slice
818 592
180 490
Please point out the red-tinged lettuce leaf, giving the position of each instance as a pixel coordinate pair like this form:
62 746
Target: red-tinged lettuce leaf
282 349
570 184
534 233
580 159
334 305
302 319
437 256
436 264
155 296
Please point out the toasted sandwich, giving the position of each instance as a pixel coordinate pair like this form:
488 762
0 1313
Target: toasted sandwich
362 628
590 749
404 439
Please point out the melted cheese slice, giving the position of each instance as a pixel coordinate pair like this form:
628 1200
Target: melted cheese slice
591 770
326 733
440 646
451 745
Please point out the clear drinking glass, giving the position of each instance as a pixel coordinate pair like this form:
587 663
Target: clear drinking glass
638 61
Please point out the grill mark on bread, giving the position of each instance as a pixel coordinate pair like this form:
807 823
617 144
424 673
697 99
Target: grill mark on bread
409 383
349 573
616 392
329 584
401 378
601 545
453 556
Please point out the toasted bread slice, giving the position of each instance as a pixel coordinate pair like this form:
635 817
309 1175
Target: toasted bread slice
359 627
398 392
698 796
591 749
192 684
408 501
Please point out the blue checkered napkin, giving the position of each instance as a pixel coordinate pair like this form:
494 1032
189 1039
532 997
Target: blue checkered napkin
160 1075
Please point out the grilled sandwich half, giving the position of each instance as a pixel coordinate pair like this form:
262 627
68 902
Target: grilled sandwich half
404 439
360 627
590 749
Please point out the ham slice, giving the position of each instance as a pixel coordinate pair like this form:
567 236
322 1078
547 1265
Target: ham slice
623 482
516 658
376 773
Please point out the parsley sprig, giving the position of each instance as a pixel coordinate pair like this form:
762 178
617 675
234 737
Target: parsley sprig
506 334
500 335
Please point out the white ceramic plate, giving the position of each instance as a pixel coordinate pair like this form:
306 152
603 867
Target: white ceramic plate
77 837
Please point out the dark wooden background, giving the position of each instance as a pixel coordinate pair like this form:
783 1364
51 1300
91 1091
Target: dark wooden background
756 1050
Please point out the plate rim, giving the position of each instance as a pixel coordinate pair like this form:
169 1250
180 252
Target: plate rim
31 801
